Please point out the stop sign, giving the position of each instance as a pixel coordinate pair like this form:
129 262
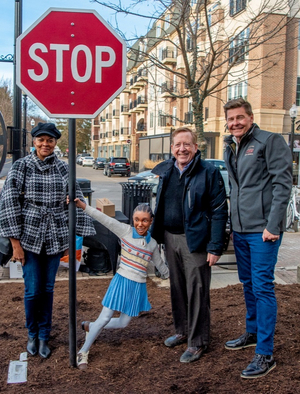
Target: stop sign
71 63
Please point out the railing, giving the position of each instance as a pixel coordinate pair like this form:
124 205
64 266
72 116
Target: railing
167 87
168 53
124 130
142 73
141 100
124 108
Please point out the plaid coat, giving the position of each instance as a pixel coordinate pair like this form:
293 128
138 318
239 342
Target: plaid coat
43 219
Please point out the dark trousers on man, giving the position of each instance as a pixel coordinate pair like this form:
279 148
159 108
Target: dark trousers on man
190 277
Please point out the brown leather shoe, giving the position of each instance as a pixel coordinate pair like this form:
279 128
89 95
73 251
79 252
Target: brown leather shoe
85 325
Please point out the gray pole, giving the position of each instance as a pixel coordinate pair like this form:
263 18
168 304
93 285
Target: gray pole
17 101
72 242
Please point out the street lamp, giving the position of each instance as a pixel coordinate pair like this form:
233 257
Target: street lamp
293 115
32 123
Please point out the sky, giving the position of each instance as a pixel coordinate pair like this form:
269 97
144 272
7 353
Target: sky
33 9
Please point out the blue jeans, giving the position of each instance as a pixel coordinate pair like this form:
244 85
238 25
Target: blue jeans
39 274
256 264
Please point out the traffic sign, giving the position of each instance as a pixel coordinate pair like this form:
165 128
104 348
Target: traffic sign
71 63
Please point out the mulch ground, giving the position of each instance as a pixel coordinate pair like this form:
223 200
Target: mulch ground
135 360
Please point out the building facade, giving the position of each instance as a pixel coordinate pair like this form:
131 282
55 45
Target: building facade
256 57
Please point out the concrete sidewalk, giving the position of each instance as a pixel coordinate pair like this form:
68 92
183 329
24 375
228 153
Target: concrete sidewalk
222 276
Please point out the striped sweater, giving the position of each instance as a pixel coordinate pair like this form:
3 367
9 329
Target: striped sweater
136 253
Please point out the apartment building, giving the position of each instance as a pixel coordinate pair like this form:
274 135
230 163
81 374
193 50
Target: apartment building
256 57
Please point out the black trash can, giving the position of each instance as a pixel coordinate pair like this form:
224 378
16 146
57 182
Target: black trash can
134 194
85 186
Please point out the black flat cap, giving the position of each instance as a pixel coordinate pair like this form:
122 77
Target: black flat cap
46 128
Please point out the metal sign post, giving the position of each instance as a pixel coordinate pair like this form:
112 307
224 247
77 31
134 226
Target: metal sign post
74 72
72 242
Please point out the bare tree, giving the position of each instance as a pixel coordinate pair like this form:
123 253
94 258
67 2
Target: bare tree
83 134
6 104
217 44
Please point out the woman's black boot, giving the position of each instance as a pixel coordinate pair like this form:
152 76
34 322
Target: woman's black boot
32 346
44 351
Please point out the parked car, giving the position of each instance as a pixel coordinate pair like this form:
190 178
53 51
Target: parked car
99 163
220 164
87 161
146 177
80 156
117 165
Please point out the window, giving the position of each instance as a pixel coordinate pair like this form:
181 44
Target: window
158 30
174 116
238 47
237 90
151 119
236 6
189 44
160 54
167 22
206 114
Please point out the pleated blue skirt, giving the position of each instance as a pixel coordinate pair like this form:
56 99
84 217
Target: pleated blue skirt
126 296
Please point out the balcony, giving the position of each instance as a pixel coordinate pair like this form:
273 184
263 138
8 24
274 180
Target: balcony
108 136
169 56
115 135
124 133
167 89
124 110
127 88
116 113
188 117
108 117
135 85
141 128
102 119
96 122
142 74
138 82
142 103
95 137
133 107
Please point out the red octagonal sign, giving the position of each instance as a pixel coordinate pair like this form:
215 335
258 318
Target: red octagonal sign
71 63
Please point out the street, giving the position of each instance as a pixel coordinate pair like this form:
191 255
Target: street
103 186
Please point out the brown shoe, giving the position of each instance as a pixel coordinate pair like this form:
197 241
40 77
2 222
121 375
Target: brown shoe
85 325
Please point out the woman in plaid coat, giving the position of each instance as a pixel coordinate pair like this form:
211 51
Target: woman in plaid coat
38 228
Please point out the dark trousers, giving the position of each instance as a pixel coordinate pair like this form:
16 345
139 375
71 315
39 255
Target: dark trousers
190 277
39 274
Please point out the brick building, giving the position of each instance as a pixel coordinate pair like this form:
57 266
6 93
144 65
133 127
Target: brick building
257 58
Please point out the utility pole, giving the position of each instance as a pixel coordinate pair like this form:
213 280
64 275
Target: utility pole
17 102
